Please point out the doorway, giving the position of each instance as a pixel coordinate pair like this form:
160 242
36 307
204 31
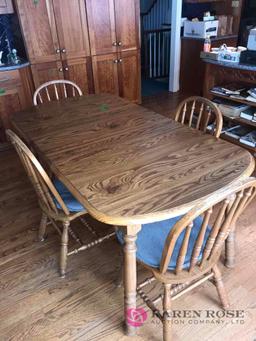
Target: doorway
155 46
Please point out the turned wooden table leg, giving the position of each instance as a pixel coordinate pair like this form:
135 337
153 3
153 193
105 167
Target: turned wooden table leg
230 250
130 277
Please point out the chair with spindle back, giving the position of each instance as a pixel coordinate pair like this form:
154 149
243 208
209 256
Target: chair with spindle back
200 113
57 203
59 88
183 252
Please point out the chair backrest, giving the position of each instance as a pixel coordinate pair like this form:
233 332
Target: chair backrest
54 90
41 182
218 212
198 112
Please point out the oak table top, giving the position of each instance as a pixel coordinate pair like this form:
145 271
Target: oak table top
125 163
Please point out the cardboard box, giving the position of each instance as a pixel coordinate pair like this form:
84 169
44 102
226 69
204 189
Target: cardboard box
209 55
201 29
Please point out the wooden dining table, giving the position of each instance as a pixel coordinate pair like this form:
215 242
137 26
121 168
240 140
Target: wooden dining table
128 165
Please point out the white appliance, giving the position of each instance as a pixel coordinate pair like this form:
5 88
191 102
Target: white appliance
252 40
201 29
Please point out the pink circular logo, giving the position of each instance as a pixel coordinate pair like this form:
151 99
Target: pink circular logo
136 317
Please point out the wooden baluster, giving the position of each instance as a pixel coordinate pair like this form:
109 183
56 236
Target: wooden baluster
192 113
214 231
73 91
47 94
200 116
183 249
56 92
200 239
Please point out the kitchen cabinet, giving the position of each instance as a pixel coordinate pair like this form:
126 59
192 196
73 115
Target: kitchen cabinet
115 46
6 7
39 30
54 29
16 91
117 29
118 74
71 23
101 25
105 73
93 43
57 41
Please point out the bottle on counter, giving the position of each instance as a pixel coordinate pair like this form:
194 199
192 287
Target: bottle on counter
207 44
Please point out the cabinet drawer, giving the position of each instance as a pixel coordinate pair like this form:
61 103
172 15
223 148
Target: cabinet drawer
9 79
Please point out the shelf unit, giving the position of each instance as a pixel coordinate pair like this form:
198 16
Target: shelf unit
238 120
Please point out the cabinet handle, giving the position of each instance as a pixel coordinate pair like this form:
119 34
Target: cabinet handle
119 43
66 68
120 60
60 69
63 50
114 43
57 50
115 61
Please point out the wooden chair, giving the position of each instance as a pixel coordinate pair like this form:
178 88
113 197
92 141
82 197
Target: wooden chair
54 90
183 252
198 112
57 203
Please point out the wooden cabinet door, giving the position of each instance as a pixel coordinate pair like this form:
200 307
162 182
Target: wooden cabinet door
105 74
127 17
79 71
129 75
101 23
46 72
39 30
6 7
72 29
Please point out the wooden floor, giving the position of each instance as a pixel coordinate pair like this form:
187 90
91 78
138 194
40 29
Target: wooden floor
165 103
35 304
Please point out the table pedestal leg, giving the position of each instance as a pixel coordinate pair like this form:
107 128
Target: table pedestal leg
130 278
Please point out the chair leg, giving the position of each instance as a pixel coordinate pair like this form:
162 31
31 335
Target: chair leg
230 250
42 228
64 249
167 330
220 287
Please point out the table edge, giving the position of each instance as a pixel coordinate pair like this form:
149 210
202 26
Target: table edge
156 216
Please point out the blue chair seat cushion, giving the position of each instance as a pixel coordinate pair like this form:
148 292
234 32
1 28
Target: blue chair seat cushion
151 240
70 201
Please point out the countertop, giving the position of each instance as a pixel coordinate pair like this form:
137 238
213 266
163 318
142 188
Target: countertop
212 39
238 66
9 67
